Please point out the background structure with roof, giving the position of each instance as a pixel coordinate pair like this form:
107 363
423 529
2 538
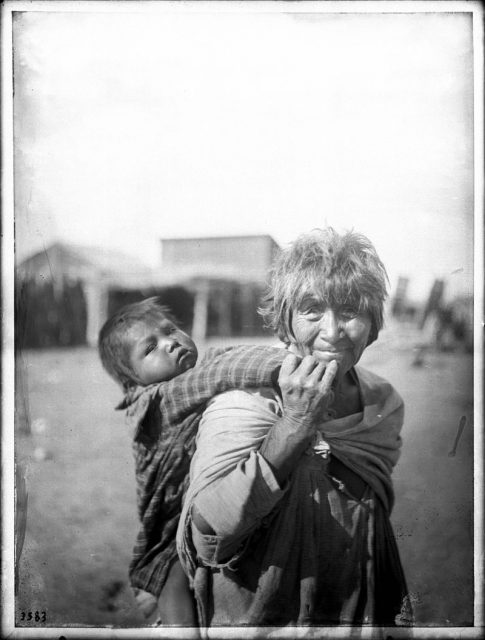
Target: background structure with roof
213 285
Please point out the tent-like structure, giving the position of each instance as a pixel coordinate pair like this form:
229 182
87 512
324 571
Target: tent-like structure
83 272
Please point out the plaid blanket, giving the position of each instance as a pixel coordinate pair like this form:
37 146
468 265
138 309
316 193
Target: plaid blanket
165 417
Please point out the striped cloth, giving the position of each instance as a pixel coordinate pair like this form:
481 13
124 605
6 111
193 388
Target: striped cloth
165 417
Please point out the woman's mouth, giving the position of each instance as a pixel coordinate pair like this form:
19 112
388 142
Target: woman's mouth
330 354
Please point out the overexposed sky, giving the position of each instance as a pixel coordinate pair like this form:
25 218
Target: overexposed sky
136 125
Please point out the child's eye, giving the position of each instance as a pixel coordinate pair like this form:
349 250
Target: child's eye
168 329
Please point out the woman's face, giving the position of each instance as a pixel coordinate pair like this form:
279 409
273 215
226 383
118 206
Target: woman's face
329 333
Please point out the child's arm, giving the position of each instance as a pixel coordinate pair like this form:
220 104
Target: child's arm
220 370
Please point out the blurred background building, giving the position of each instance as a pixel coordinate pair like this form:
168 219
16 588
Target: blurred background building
213 285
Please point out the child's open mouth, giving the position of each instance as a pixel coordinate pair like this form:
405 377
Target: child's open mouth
184 355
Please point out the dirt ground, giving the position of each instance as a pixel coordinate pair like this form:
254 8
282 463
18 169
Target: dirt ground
81 518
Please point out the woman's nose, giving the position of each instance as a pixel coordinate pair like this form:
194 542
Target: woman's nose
330 328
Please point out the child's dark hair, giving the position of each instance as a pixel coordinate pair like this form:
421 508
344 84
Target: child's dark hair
113 346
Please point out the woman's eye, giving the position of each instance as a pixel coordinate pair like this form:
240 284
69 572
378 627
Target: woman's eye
310 309
150 348
348 312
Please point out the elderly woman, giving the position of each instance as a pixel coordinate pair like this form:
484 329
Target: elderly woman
286 520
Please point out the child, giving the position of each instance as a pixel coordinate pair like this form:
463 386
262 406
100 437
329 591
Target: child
145 351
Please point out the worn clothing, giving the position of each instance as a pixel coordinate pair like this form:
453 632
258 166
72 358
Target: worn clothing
164 417
310 552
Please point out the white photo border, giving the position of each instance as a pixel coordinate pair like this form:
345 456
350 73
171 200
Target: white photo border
8 387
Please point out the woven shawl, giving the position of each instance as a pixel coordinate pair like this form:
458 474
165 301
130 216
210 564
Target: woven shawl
369 446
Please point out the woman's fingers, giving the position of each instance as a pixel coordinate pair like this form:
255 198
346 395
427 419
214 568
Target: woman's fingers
329 376
306 387
308 366
289 365
322 376
317 373
295 370
307 372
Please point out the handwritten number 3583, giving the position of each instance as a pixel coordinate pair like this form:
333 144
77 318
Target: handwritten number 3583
38 616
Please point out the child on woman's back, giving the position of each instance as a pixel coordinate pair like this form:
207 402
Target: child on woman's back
141 345
143 348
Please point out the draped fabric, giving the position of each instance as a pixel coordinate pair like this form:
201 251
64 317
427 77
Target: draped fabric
322 556
165 417
371 445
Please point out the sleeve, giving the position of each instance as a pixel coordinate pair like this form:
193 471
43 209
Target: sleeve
239 487
220 370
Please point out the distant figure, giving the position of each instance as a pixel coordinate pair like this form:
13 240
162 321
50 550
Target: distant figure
143 349
434 302
286 520
445 326
399 306
430 324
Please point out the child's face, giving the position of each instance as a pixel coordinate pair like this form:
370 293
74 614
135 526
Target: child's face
159 350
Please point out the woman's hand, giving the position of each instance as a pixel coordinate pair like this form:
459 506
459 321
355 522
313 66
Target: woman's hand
306 390
306 387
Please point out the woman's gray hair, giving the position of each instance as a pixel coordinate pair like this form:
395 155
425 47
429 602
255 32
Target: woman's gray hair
341 269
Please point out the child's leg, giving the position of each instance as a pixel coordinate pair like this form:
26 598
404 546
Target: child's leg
146 602
176 603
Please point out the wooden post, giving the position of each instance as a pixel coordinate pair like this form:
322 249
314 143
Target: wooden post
248 305
201 310
96 295
223 302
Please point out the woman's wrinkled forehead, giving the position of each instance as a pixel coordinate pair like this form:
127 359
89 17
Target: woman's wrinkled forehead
330 291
